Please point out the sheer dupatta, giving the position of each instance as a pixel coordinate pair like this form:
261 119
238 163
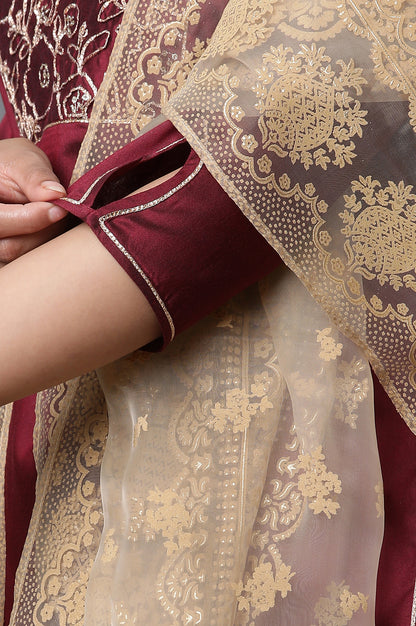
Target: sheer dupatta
240 481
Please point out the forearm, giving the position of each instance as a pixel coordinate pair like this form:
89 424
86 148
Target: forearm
67 307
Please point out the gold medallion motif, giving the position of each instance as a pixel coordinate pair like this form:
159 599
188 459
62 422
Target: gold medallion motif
307 109
380 232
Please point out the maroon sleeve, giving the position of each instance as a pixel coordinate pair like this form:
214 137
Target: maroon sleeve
184 242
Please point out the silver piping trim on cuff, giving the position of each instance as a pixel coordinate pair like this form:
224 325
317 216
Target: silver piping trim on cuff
137 209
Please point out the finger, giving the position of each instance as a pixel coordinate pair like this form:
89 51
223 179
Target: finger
11 248
26 173
23 219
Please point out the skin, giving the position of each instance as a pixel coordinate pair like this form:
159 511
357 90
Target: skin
28 187
67 306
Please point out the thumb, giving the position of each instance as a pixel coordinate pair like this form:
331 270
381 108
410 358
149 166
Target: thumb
26 173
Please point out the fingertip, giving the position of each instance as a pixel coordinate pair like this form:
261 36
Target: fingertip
56 213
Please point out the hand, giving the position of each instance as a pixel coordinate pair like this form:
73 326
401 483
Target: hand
28 187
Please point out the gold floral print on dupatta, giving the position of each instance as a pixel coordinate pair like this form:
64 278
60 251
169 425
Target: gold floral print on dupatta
165 63
67 520
376 228
308 20
340 606
193 514
160 42
258 593
329 349
391 27
379 228
306 108
243 24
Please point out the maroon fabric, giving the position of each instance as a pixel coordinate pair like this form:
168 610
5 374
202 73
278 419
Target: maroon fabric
397 568
187 236
19 493
62 143
55 58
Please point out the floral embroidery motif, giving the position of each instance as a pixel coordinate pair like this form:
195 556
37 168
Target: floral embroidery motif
167 515
340 607
316 483
330 350
390 26
306 108
351 390
258 593
49 71
170 52
380 232
239 407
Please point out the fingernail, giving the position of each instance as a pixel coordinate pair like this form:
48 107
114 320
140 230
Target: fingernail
56 213
52 185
